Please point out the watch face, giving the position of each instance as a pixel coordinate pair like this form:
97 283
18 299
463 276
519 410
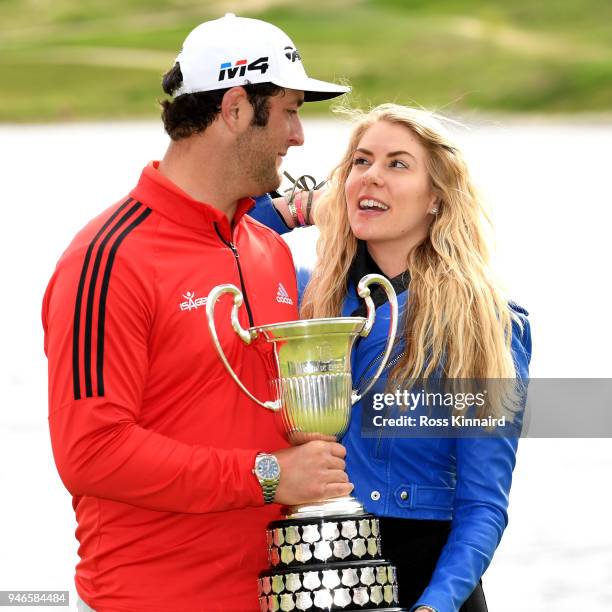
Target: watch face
268 468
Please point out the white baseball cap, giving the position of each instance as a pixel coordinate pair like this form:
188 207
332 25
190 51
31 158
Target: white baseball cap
233 51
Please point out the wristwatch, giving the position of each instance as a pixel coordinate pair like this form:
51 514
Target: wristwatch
267 470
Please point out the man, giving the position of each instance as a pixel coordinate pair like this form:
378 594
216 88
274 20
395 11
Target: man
172 469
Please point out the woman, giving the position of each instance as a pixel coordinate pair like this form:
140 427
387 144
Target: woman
401 203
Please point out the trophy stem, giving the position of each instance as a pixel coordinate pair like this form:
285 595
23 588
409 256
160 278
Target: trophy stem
347 505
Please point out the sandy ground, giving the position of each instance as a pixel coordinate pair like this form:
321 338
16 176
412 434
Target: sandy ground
547 185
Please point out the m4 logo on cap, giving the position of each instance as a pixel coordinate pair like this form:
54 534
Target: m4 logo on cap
241 66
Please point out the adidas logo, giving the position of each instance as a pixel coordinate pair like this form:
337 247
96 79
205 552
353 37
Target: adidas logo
282 297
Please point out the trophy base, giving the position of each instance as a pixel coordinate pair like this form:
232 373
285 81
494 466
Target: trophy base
344 506
366 586
328 563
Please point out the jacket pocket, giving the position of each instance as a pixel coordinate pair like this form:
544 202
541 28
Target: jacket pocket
414 496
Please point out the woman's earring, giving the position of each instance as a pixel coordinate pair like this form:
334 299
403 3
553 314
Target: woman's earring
434 211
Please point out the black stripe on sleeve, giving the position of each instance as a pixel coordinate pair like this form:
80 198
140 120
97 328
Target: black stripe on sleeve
90 297
104 293
79 298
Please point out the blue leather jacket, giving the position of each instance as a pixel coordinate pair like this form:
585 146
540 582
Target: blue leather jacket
464 480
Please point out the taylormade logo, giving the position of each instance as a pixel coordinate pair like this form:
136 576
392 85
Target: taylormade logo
191 301
292 54
282 297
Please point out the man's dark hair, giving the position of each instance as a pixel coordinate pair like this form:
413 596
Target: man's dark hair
192 113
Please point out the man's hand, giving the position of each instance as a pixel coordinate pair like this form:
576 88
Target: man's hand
311 472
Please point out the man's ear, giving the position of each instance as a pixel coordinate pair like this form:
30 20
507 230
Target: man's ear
236 111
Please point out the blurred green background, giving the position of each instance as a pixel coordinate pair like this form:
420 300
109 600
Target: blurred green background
64 60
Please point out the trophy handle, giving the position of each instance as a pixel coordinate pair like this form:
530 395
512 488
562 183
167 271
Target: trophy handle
247 336
364 291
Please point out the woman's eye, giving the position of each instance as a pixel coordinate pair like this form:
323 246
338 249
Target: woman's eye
397 163
358 161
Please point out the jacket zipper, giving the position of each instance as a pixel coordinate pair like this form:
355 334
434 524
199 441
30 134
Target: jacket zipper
389 365
373 363
234 250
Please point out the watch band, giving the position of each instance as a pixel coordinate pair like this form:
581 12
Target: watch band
269 490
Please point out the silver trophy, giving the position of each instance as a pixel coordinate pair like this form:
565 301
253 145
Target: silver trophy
324 555
313 391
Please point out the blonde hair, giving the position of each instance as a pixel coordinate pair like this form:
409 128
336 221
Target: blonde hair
457 320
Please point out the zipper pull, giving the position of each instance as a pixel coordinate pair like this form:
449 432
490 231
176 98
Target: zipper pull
234 249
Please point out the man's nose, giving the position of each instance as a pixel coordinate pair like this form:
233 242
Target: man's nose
296 138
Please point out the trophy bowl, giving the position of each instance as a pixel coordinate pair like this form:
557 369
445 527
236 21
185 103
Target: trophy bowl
313 390
314 384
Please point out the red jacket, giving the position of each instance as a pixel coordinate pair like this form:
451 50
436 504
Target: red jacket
150 435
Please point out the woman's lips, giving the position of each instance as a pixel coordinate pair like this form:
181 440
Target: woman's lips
368 203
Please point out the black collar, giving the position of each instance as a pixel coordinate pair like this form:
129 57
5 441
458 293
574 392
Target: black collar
364 264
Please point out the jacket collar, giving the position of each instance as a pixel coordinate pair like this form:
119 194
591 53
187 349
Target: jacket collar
162 195
363 264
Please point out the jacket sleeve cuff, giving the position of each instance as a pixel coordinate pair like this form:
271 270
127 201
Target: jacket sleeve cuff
436 600
265 212
253 488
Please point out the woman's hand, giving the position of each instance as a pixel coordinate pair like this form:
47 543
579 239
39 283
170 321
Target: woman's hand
282 206
296 207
